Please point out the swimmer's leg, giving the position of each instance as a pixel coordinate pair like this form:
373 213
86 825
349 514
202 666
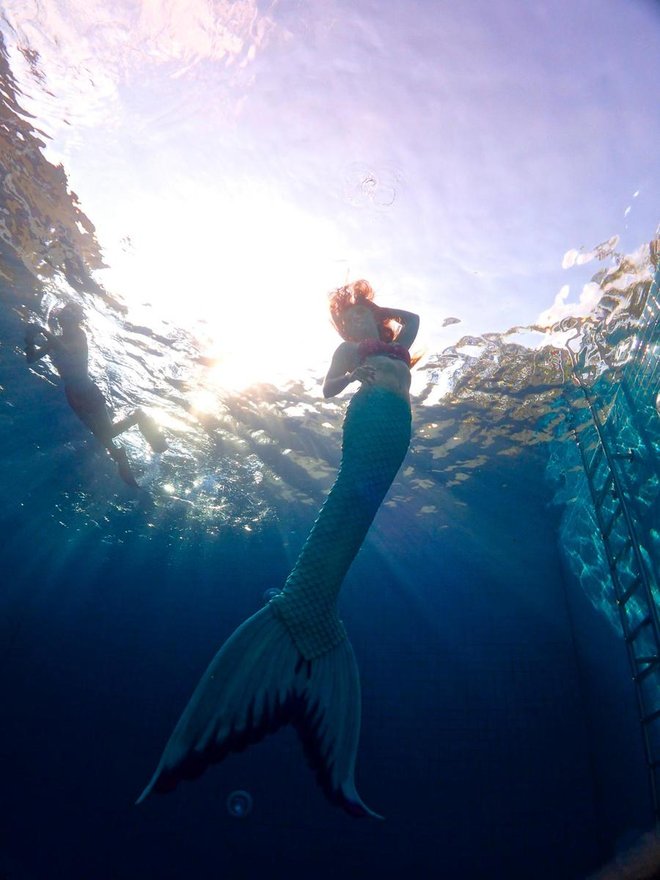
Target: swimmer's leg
123 467
103 432
93 412
148 428
151 432
117 428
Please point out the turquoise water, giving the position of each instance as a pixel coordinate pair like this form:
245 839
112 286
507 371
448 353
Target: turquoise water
622 382
501 734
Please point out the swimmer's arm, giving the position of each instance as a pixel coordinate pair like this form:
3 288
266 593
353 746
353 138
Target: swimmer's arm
34 352
344 370
409 324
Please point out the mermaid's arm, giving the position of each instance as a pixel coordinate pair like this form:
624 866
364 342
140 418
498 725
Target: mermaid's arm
344 369
409 324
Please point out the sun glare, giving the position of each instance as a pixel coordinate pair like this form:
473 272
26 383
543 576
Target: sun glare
247 275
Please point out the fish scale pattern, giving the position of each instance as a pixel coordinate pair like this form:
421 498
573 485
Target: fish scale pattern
376 436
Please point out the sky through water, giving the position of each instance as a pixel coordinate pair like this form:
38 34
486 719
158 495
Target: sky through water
240 159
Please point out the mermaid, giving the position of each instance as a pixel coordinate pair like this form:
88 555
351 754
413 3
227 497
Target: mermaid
291 662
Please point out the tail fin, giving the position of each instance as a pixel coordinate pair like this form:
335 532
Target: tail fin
257 682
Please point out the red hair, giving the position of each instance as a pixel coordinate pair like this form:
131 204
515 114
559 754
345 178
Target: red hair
358 293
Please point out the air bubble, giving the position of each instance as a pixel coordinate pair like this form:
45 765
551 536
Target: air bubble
239 804
368 186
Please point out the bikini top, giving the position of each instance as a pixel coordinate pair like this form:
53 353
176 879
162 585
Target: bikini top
369 347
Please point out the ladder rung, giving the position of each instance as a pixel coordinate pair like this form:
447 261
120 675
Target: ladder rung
647 719
629 592
615 515
651 658
629 455
652 663
635 631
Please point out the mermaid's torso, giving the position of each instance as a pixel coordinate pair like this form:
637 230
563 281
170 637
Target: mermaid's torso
370 347
391 362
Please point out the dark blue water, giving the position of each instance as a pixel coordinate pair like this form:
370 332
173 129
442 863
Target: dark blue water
500 734
495 740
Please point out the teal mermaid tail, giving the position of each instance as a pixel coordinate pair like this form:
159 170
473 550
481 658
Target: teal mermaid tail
291 662
375 440
258 682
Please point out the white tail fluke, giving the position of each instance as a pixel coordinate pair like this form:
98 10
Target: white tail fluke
257 682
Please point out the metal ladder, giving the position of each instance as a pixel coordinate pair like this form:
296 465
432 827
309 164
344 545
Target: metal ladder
634 584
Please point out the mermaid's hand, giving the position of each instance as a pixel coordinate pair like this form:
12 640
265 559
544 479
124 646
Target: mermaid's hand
365 374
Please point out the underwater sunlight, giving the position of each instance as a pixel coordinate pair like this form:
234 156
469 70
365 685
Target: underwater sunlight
196 459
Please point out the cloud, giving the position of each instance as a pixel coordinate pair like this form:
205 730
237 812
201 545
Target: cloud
561 308
600 252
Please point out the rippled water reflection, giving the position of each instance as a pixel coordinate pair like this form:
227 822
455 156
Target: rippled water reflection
321 141
238 458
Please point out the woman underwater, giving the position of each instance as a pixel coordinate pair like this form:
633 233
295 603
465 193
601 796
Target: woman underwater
69 354
291 662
